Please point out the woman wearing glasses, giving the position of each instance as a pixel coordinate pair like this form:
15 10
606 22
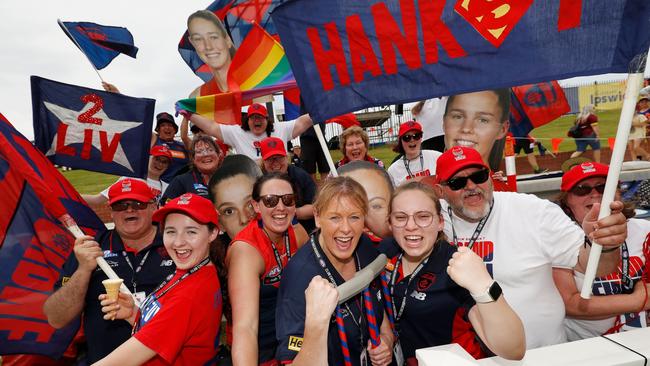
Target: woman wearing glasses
434 285
621 300
205 157
414 162
255 261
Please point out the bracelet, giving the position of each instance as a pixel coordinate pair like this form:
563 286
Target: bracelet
610 249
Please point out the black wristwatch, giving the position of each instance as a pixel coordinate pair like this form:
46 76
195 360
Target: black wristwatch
491 294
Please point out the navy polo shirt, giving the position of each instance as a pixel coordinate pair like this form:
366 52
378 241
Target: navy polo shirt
290 310
179 158
436 307
103 336
190 182
307 191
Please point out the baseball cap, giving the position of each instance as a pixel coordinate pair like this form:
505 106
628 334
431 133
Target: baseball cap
409 126
456 159
130 189
272 146
257 108
161 150
581 172
165 117
198 208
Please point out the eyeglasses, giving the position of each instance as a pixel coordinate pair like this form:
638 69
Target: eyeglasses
271 200
581 190
124 205
421 218
478 177
204 152
416 136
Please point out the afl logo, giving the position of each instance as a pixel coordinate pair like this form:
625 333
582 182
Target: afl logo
425 281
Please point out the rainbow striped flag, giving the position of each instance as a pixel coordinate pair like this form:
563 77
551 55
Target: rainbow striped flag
260 64
224 108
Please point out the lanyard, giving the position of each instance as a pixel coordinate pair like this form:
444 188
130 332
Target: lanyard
626 281
477 231
287 248
393 279
408 167
138 269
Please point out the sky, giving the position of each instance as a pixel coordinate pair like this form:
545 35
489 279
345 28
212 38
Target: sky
32 43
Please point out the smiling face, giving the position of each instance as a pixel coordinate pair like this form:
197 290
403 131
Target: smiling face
158 165
276 163
414 205
166 131
580 205
341 224
212 46
233 198
186 241
206 158
414 146
276 219
257 124
355 148
133 224
474 120
472 202
378 192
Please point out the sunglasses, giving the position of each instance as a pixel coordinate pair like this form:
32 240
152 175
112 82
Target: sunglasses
415 136
124 205
271 200
478 177
581 190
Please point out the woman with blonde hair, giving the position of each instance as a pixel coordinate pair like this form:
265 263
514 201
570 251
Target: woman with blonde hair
354 143
589 134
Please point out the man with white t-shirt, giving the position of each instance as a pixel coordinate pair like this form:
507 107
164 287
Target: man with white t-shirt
521 238
255 128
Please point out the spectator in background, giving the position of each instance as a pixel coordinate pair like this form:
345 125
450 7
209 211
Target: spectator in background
313 158
274 160
589 135
415 162
354 146
165 129
206 157
296 156
528 144
159 160
430 113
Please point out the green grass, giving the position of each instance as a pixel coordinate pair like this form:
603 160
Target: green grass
89 182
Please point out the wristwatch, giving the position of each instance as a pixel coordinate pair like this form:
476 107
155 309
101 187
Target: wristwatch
491 294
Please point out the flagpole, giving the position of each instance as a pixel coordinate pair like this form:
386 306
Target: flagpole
79 47
326 151
634 83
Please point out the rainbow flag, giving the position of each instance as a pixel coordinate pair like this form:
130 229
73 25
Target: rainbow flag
224 108
260 64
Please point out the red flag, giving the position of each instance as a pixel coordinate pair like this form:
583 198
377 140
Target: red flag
345 120
543 102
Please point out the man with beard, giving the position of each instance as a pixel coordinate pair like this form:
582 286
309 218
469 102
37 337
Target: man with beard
521 238
135 251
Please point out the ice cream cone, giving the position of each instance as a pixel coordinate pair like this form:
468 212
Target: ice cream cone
112 287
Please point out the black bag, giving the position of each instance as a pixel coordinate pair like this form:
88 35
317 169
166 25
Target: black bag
574 131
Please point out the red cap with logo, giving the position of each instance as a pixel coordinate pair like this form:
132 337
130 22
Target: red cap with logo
198 208
130 189
409 126
581 172
455 159
161 150
258 109
272 146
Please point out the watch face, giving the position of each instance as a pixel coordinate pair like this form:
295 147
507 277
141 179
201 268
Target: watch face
495 291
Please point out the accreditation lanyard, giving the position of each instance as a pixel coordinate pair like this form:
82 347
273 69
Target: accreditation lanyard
276 253
393 279
626 281
477 231
135 271
153 296
408 167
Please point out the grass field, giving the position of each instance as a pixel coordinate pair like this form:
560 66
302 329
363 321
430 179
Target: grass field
90 182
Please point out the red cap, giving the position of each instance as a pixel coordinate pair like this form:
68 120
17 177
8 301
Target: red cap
161 150
272 146
581 172
130 189
456 159
409 126
258 109
198 208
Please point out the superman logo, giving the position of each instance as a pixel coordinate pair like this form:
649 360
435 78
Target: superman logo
493 19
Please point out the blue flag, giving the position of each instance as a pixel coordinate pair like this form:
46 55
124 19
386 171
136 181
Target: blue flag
100 43
33 244
358 54
91 129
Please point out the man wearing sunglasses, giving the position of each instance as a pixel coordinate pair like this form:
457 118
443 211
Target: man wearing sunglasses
521 238
274 159
134 250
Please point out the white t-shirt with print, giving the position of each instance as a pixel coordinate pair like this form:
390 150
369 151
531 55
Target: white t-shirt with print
246 143
398 172
577 329
158 187
431 117
522 240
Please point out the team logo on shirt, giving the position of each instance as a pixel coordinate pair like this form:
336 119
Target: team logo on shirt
109 254
295 343
256 145
274 276
425 281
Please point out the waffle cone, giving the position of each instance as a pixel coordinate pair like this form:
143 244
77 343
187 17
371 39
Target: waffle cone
112 287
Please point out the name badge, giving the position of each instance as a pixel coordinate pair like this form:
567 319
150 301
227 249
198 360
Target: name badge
140 296
399 356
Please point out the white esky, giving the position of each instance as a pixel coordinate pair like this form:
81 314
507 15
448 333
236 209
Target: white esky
32 43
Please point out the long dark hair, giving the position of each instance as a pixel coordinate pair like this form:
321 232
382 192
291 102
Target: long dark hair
259 183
